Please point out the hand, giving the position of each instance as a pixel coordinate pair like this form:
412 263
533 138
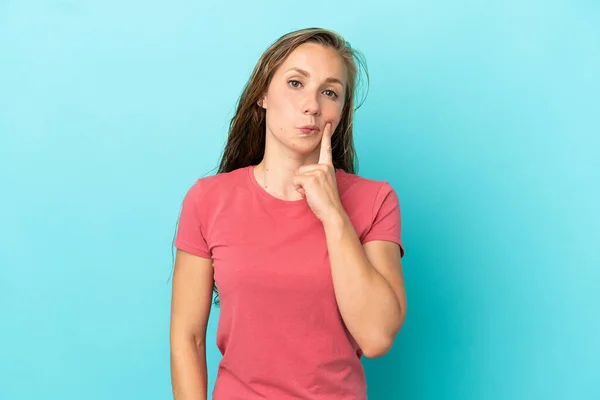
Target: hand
317 183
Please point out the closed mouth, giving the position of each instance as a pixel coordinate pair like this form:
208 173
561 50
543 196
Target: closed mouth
309 128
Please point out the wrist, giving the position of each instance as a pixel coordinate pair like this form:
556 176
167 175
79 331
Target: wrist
336 220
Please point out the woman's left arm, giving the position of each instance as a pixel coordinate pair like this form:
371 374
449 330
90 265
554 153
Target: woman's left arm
368 285
368 282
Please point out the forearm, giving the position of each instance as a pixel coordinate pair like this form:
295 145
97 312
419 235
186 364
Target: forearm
367 303
188 369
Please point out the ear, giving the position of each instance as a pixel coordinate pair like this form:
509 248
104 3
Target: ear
262 102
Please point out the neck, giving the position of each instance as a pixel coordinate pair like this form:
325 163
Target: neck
276 178
278 166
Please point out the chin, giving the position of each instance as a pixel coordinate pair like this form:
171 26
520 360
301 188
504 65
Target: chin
302 146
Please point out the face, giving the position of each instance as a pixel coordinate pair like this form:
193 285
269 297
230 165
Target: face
307 90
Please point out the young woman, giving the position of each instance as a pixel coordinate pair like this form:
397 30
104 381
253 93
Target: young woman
305 254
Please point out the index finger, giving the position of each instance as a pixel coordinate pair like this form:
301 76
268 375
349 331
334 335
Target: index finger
325 156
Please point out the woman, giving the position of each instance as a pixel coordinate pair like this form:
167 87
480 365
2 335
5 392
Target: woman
306 255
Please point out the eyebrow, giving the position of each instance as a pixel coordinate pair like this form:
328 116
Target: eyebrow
305 73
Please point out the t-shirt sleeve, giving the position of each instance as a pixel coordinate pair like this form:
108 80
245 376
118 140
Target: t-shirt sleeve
190 237
387 222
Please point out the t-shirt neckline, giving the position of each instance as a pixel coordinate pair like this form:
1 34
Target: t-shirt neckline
268 196
339 174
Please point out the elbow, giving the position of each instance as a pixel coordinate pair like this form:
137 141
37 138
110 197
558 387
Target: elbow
381 343
378 346
187 339
378 350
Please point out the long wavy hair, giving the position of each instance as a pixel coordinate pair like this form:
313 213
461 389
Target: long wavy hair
245 144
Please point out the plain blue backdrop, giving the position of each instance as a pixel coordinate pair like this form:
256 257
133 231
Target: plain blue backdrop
485 117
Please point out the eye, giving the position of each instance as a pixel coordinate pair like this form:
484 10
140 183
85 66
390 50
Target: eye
331 93
294 83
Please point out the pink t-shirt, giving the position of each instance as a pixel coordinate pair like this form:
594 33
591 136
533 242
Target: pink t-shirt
280 331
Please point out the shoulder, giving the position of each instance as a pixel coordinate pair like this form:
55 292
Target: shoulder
367 187
364 197
216 184
373 207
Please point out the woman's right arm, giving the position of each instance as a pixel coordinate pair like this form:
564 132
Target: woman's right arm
190 308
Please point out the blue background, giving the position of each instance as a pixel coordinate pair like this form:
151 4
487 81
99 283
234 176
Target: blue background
485 117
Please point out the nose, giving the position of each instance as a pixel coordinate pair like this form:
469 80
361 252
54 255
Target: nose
311 105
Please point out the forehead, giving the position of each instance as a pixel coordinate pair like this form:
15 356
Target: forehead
319 61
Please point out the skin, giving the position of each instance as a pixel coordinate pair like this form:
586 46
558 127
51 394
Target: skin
294 100
368 281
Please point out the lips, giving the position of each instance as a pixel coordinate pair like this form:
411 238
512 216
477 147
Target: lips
309 129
